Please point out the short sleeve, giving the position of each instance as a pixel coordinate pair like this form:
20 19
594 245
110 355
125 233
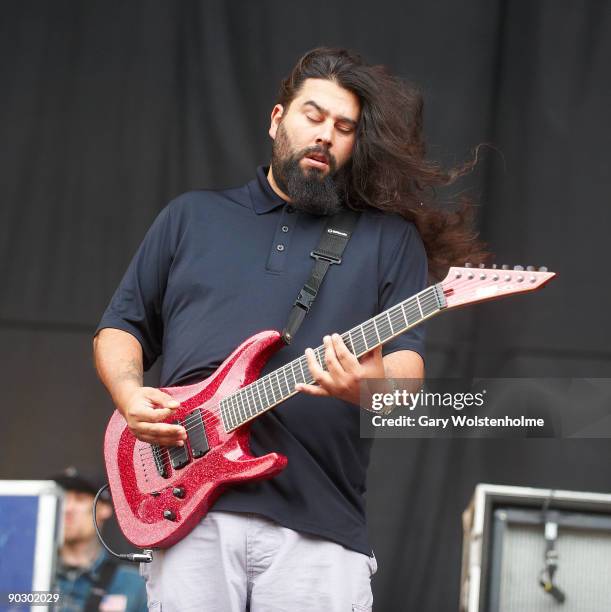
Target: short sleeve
403 273
136 305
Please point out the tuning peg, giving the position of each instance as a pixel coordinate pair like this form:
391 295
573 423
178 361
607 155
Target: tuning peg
504 267
542 269
482 265
530 268
468 265
518 267
494 266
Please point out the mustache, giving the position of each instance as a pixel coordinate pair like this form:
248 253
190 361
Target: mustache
319 150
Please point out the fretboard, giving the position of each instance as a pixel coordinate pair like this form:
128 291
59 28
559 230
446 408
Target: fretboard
273 388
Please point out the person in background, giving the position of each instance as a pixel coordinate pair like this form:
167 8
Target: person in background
88 578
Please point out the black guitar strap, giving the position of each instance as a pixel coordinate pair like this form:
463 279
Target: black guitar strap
331 245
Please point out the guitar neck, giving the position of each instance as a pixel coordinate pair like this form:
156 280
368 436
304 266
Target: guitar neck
273 388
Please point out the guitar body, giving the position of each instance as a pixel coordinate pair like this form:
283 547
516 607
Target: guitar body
155 510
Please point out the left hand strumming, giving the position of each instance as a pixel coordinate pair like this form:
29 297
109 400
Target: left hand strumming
344 371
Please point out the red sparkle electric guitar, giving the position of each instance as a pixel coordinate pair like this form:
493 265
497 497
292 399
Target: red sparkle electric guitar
161 493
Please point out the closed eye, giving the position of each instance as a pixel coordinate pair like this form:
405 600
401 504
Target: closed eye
314 119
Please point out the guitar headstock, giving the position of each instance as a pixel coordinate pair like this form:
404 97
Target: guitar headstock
469 284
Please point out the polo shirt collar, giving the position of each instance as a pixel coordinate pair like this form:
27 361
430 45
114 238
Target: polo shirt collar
264 198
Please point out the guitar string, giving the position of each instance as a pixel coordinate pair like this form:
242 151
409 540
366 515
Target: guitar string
278 387
243 408
427 301
191 421
212 412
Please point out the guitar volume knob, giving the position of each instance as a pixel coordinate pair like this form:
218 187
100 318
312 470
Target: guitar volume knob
169 515
178 492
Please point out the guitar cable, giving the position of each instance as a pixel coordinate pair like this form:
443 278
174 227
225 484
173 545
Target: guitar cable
146 556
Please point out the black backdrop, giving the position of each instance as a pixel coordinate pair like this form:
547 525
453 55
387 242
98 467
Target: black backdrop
110 109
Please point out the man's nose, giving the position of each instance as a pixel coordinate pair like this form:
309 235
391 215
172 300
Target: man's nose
325 134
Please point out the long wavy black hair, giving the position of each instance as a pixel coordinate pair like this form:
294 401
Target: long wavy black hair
388 169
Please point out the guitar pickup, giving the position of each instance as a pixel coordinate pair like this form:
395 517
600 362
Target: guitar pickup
196 432
179 457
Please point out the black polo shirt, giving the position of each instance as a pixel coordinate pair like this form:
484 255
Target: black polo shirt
215 268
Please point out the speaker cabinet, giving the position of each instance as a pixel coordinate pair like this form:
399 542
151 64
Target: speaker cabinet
536 550
30 533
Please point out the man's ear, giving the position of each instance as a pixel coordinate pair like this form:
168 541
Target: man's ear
276 117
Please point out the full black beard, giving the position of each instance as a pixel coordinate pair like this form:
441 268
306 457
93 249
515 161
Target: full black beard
310 191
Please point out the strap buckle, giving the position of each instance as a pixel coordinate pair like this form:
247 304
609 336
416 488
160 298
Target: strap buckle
306 298
325 257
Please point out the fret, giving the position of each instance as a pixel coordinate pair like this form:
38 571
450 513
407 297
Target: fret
264 385
358 343
300 360
389 323
242 415
402 309
250 406
288 384
411 315
275 386
244 393
231 419
254 401
375 326
382 328
319 355
237 412
276 382
419 308
271 388
224 414
350 343
283 393
292 364
396 318
257 402
369 332
239 403
430 305
364 339
262 404
308 375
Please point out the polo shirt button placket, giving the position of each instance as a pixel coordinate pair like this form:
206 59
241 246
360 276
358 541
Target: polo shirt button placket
283 234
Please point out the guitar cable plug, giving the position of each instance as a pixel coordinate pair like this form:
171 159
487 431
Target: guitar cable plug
146 556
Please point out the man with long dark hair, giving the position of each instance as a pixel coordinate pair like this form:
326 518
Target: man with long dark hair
216 267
